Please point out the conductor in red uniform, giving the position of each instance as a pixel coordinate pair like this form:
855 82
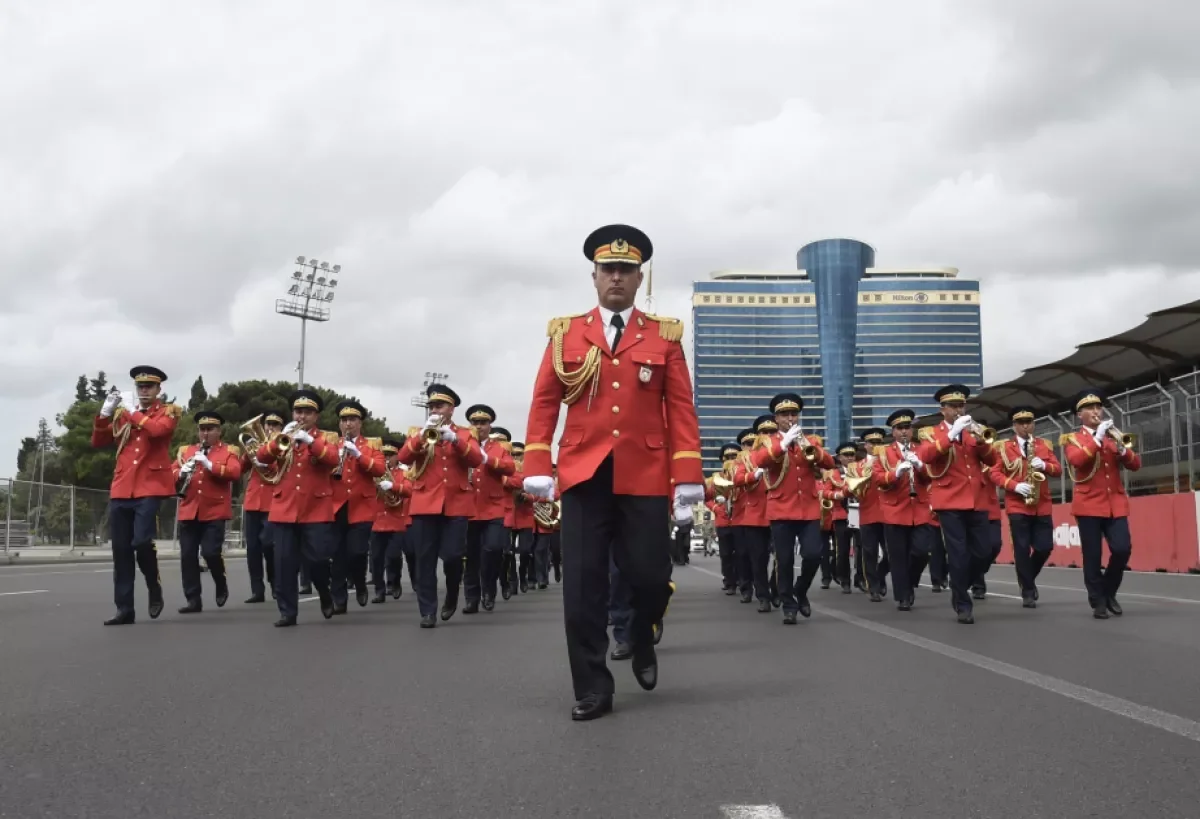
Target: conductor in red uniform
212 467
630 447
140 482
1100 504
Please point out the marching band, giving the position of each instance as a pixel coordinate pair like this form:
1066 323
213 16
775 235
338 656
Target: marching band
324 507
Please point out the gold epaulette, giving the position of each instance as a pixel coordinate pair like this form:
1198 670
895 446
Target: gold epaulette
182 449
561 324
506 446
820 441
1046 441
331 437
1066 438
375 443
925 434
997 444
671 329
235 449
173 410
761 439
878 450
413 431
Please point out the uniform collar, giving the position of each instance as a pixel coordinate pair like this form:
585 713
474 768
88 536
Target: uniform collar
606 315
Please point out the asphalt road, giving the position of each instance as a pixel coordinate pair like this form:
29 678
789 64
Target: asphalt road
859 711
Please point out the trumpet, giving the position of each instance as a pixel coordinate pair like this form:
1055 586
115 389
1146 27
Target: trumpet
810 453
1122 438
985 434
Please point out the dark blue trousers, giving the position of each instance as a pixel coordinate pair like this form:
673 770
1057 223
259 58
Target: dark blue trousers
133 524
1103 583
793 591
260 550
968 551
310 543
438 536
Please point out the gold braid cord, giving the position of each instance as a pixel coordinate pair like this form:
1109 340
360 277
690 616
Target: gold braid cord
418 469
121 435
1069 438
574 383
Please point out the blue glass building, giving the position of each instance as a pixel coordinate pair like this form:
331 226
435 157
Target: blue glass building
856 341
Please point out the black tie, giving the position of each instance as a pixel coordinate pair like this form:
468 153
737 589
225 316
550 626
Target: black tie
619 324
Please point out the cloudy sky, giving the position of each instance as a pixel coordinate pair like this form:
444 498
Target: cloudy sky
165 162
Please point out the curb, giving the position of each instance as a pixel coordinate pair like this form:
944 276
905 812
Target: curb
17 559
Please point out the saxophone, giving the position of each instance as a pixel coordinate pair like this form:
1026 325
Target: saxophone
1032 476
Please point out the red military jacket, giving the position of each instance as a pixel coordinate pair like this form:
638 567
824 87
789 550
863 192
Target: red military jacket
519 514
441 485
395 518
305 492
258 492
896 506
492 498
869 510
357 486
792 483
1010 470
210 494
1096 471
957 468
144 460
833 489
718 507
635 405
991 497
751 506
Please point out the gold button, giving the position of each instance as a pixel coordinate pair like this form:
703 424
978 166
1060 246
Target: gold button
616 409
616 362
616 433
616 385
135 461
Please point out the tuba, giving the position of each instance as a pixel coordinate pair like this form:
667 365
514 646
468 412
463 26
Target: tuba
391 497
857 485
547 513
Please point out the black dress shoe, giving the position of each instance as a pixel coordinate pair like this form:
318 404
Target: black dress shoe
978 593
256 598
396 591
524 586
883 589
937 588
805 608
380 597
428 621
156 606
339 608
623 651
1100 611
506 592
789 618
122 618
592 706
1035 593
1114 606
645 667
846 589
729 592
222 596
543 585
824 584
1027 600
749 598
875 598
448 611
489 603
327 607
284 622
776 601
471 608
905 606
764 606
966 618
361 597
558 579
192 607
306 589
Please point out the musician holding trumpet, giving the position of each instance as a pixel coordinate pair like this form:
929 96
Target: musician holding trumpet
1097 453
355 505
908 534
205 474
957 452
1021 471
256 504
793 462
141 480
486 533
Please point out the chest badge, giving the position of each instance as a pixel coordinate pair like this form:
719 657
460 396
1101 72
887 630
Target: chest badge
644 374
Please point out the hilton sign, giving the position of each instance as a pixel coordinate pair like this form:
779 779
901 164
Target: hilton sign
917 298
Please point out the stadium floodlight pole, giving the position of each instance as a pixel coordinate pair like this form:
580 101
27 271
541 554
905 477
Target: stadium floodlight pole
308 299
419 399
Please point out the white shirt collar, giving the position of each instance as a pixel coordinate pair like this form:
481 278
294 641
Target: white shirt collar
606 316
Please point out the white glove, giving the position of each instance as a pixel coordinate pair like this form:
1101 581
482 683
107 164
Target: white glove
791 435
904 466
259 463
110 405
911 457
448 434
758 473
689 494
303 435
204 461
386 485
683 514
956 429
1121 449
1023 489
1037 463
1102 430
485 458
541 486
290 428
187 467
433 421
351 447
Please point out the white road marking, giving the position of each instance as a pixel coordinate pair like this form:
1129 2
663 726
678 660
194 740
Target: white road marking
31 591
753 812
10 573
989 594
1171 723
1121 595
307 599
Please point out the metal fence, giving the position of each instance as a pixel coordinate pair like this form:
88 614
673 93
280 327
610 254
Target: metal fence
53 516
1165 422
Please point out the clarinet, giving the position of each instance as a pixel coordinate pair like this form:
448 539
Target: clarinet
912 479
185 479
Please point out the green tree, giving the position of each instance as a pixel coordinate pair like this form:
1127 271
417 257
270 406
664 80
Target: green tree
99 387
28 447
82 392
199 394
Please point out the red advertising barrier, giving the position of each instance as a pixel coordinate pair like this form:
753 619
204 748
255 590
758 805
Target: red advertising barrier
1163 529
